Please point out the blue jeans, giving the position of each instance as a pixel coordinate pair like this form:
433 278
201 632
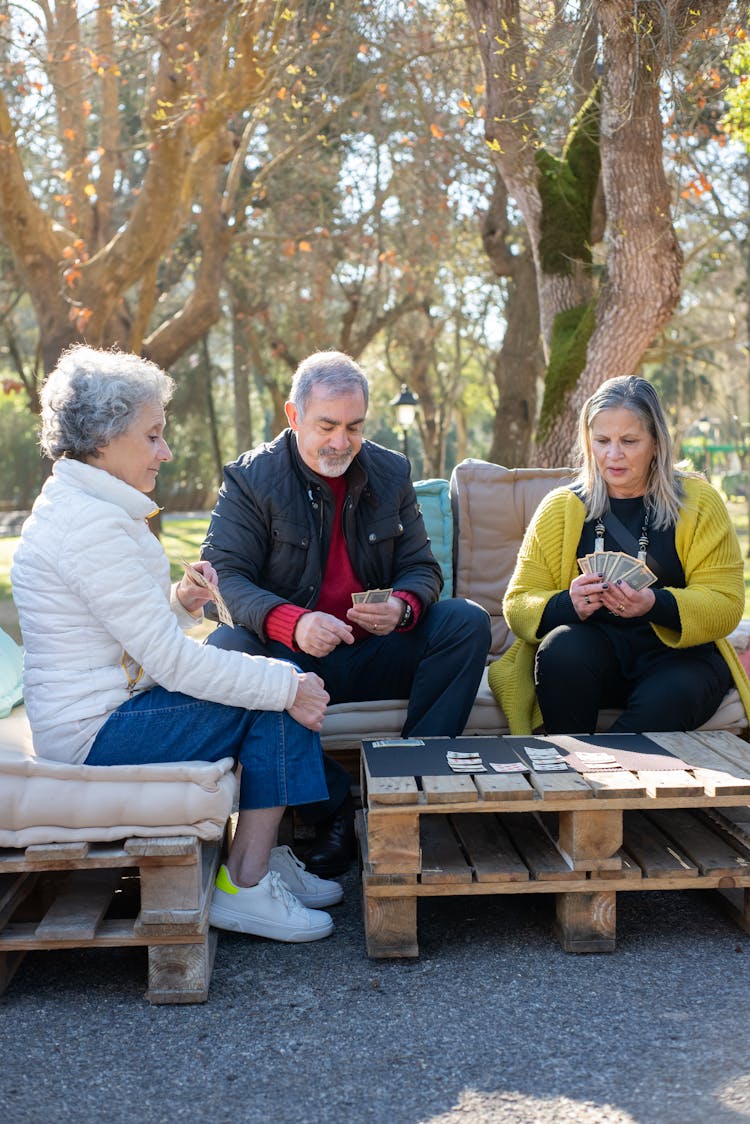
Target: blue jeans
281 760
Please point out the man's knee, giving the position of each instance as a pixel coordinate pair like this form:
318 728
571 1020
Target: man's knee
467 620
236 639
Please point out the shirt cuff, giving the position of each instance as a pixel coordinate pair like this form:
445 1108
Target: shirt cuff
185 618
281 623
416 606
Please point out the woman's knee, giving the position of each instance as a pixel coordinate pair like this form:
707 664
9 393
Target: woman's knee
565 651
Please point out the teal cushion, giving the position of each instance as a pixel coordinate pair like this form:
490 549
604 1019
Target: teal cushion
11 674
435 502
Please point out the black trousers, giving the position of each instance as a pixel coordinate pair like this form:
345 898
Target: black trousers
579 670
437 666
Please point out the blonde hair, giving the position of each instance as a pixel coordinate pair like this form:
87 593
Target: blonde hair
664 491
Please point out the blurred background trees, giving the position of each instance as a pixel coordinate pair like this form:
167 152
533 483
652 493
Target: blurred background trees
497 204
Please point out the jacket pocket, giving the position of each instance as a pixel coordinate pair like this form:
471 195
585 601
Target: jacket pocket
384 530
290 546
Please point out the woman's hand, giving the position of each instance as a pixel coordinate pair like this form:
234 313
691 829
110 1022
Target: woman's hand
309 706
624 601
587 594
193 596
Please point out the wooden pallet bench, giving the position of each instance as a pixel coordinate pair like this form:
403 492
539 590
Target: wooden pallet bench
152 892
583 837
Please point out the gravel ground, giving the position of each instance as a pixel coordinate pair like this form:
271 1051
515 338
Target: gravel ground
492 1023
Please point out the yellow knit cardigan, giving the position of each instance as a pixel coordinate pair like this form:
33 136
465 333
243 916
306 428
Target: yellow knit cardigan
710 606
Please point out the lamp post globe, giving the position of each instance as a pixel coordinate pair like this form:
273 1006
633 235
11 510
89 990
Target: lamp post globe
405 404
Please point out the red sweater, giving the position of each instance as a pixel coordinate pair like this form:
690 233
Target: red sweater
338 585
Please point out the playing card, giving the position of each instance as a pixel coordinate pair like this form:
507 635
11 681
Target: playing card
198 579
585 755
620 565
397 743
599 562
509 767
376 596
359 598
640 577
584 564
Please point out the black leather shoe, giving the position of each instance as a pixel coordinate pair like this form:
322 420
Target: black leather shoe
335 845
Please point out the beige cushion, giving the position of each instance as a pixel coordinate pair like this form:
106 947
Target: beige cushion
492 506
45 801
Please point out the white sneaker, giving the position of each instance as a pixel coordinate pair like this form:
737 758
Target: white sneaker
314 892
266 910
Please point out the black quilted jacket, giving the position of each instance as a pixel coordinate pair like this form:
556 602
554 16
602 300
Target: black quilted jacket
270 530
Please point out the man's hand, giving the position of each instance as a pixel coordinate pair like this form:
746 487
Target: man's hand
380 617
309 706
193 597
319 633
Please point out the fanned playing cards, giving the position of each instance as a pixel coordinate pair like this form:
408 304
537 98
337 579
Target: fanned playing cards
197 578
615 565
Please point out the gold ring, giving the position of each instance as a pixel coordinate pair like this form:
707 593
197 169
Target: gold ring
621 607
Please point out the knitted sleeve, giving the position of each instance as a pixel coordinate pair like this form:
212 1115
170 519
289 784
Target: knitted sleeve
713 600
546 562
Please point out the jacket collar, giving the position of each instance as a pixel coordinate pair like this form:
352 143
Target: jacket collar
102 485
356 474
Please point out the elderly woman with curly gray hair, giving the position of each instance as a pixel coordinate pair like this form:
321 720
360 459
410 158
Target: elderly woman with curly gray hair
658 653
110 677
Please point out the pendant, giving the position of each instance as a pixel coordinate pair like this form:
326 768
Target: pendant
599 539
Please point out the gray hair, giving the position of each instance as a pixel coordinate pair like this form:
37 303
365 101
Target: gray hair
92 396
664 491
331 371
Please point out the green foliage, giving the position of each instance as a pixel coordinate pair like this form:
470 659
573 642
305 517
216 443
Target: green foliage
567 187
571 332
736 121
20 459
182 538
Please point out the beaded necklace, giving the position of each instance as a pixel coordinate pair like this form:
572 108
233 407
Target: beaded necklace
599 530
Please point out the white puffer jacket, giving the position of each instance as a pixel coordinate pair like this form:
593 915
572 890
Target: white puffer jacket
92 588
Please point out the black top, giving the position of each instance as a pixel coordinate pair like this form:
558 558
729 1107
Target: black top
631 636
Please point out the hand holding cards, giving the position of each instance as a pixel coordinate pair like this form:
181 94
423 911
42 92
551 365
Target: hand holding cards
197 578
371 596
615 565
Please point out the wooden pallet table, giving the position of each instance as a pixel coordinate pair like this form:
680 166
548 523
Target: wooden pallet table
149 892
583 837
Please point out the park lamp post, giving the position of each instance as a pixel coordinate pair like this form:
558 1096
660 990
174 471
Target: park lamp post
405 405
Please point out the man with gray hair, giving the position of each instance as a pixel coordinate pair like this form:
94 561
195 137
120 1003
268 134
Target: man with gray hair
307 520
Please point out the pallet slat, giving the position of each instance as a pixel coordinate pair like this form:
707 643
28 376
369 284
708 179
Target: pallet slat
652 850
80 905
537 849
490 850
694 837
442 858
